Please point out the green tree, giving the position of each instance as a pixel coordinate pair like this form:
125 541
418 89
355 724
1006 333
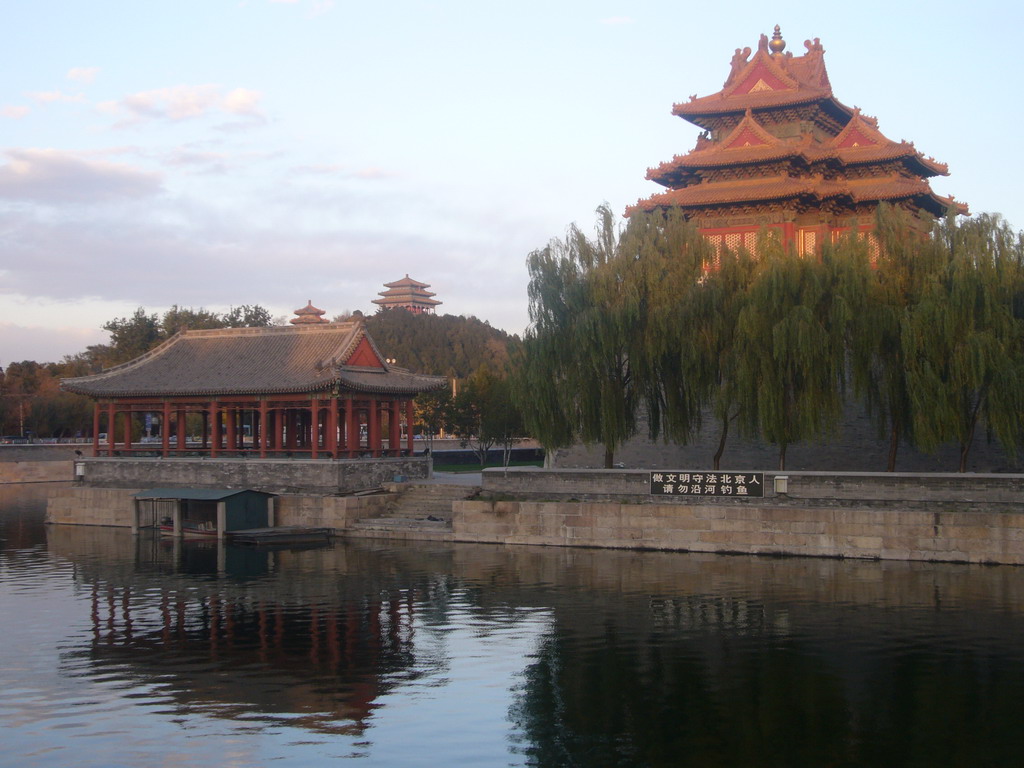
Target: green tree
247 316
433 413
790 352
881 290
438 344
576 381
721 299
132 336
136 335
177 319
962 340
651 290
483 414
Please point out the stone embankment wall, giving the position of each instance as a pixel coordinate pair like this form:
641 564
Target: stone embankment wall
37 462
273 476
90 505
35 471
969 518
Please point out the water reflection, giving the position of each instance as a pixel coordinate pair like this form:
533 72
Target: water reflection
408 654
245 633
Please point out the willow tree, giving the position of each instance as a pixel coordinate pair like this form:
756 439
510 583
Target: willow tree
962 339
881 288
723 294
574 380
653 290
790 354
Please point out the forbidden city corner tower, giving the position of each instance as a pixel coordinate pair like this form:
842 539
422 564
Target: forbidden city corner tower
779 150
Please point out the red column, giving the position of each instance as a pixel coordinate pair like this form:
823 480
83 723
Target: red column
394 429
331 444
214 428
410 417
181 429
373 429
314 427
263 434
111 420
128 428
789 234
351 429
96 429
231 419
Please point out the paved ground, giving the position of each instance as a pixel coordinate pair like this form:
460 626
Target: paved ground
455 478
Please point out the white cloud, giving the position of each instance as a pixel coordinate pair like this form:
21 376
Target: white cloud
197 161
373 172
49 97
149 251
184 102
345 172
243 101
14 112
50 345
52 176
83 74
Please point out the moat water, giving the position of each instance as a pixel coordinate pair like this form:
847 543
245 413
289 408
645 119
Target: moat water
122 651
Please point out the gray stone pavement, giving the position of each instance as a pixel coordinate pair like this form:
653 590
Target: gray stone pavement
455 478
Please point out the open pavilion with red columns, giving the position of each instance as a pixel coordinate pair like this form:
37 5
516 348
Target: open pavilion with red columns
309 390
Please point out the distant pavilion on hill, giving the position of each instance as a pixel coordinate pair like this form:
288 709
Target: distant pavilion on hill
313 389
408 294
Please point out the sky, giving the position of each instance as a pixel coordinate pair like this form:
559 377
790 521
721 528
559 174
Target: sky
216 153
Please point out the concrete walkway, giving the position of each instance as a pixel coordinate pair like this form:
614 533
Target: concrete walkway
455 478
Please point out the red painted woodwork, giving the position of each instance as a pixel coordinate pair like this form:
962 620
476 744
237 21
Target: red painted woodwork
748 137
364 356
780 151
761 78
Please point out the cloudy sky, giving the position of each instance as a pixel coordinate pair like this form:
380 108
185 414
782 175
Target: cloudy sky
213 153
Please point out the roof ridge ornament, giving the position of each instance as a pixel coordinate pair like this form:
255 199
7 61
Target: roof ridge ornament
777 44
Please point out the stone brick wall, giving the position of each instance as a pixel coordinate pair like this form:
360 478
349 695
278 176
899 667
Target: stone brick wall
903 516
42 451
273 476
964 490
336 512
35 471
79 505
91 505
890 534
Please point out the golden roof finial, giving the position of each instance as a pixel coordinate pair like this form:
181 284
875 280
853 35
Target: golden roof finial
777 44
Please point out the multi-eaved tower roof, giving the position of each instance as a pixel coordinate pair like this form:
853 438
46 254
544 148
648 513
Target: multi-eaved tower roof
408 294
779 150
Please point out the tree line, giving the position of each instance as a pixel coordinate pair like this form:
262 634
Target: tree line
925 331
31 401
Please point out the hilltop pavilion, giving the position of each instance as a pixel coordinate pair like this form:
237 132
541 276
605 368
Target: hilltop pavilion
408 294
779 150
312 389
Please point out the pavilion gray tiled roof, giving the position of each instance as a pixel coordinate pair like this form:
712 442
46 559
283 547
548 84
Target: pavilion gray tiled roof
254 361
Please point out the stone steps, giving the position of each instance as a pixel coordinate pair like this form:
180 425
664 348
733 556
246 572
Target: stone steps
421 511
